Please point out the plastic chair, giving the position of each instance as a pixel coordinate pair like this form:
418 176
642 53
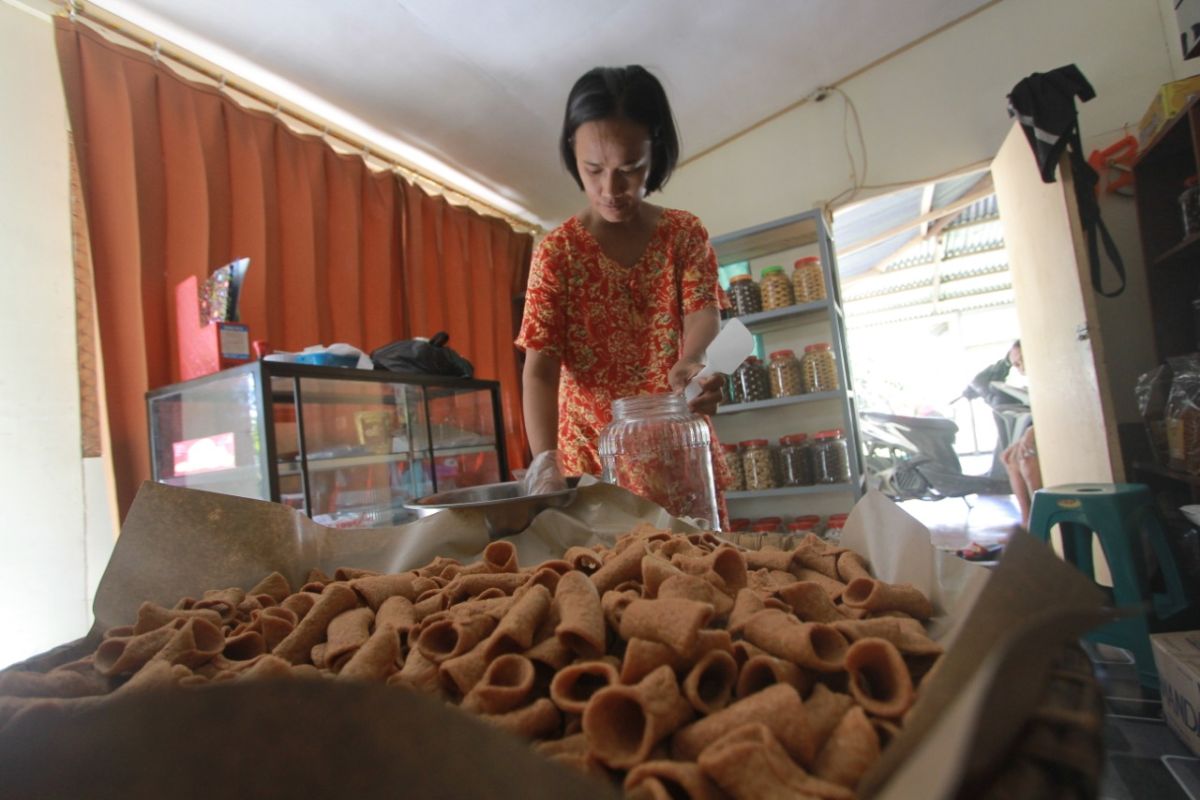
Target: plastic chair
1120 515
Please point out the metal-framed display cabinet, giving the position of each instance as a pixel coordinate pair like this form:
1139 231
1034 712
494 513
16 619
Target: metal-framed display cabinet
348 447
780 243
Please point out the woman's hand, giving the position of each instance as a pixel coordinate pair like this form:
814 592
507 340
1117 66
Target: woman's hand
710 386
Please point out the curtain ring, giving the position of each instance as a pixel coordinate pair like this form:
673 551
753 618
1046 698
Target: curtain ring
157 54
221 84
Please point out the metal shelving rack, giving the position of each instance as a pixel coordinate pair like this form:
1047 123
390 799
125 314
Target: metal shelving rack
798 231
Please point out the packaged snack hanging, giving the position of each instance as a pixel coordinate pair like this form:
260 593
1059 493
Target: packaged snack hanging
776 289
658 449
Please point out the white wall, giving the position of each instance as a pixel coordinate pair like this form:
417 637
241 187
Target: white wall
940 106
50 556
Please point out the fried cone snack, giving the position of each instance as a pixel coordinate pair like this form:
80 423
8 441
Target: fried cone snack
624 723
879 679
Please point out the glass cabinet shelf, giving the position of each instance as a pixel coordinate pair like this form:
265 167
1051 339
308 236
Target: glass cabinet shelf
348 447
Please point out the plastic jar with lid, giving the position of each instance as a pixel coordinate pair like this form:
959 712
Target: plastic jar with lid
795 460
657 448
751 381
758 465
787 377
776 289
820 369
745 295
767 525
1189 204
733 460
830 457
739 524
801 527
808 282
833 530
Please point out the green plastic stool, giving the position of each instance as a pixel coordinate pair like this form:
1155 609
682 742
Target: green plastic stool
1119 514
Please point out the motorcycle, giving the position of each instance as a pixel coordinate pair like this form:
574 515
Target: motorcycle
914 457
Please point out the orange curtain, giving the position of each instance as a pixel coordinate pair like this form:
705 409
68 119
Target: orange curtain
178 180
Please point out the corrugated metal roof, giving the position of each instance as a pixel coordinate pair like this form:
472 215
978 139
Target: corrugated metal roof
865 221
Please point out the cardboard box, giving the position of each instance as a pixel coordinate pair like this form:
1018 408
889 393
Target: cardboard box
1168 101
1177 657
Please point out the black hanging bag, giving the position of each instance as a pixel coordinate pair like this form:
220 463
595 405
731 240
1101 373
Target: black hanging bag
1044 104
425 357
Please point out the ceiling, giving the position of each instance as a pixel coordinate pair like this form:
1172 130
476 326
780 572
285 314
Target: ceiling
478 88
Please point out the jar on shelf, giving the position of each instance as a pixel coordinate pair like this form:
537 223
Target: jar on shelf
1189 204
733 460
758 465
830 457
820 369
767 525
739 524
795 461
751 381
800 528
808 281
787 377
833 528
813 521
776 289
745 295
657 448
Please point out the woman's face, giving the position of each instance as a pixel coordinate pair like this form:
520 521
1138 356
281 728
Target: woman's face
613 158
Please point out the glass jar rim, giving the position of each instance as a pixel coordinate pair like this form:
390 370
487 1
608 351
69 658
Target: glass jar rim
656 404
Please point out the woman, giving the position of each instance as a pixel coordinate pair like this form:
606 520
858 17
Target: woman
622 297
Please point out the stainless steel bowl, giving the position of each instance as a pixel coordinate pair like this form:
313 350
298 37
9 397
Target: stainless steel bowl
505 510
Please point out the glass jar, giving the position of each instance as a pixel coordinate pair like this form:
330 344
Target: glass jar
808 281
810 522
830 457
739 525
658 449
787 377
820 369
733 460
795 461
799 528
833 530
751 382
767 525
744 295
1189 204
776 289
758 465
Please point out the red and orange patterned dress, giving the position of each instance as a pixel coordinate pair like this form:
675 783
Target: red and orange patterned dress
616 331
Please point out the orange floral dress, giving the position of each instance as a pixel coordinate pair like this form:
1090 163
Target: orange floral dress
616 331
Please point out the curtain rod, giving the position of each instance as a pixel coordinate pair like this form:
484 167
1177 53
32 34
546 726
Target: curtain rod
109 23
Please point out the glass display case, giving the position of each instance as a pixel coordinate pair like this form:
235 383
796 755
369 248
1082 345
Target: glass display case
348 447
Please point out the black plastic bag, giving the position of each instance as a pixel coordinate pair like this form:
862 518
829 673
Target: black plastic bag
430 357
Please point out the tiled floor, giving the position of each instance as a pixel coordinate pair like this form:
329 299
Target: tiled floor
1144 759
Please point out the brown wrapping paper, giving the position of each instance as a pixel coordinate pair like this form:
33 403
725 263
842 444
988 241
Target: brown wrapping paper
1001 629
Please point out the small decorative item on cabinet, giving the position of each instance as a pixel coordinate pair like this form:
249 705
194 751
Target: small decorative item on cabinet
745 295
808 282
787 376
776 289
733 460
758 465
751 382
795 460
820 368
831 457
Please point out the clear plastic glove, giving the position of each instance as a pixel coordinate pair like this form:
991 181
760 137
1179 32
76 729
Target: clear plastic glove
544 475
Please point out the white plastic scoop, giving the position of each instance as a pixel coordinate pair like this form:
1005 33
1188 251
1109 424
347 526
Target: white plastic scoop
726 352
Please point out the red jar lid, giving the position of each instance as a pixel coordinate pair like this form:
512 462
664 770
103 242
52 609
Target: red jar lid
839 516
801 525
776 520
794 438
836 433
803 262
751 360
819 347
739 278
754 443
813 518
729 448
739 524
764 527
835 523
783 354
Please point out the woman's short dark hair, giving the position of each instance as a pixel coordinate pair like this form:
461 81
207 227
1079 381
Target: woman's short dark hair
630 93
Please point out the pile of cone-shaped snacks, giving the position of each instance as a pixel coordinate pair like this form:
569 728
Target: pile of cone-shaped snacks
677 665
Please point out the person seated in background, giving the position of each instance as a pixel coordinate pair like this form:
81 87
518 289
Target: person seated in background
1020 457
